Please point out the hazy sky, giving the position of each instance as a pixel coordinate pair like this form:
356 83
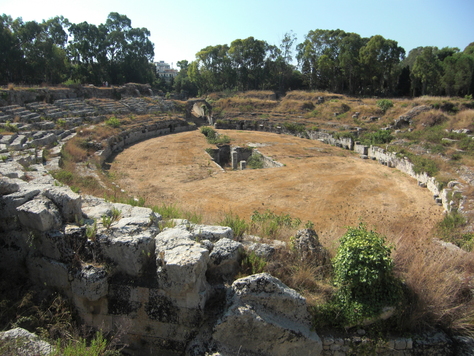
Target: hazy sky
179 28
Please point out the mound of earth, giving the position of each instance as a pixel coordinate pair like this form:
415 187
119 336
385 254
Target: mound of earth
329 186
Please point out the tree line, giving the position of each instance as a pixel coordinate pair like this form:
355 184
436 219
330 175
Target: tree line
57 51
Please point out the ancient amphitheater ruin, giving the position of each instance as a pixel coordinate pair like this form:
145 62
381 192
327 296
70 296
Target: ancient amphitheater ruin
172 290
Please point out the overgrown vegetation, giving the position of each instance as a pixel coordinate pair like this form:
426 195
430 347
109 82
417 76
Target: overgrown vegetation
363 274
451 229
270 224
237 224
255 161
213 137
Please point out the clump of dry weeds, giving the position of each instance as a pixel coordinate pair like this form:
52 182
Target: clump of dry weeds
439 280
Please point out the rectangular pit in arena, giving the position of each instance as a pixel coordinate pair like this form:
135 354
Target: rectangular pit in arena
239 158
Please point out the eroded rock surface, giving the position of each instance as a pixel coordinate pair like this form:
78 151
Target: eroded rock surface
265 317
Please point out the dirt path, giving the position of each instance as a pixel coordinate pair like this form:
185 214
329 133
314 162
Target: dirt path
329 186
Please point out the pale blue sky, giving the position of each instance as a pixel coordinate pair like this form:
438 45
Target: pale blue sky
180 28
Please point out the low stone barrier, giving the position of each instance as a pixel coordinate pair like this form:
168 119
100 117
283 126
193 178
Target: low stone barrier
441 196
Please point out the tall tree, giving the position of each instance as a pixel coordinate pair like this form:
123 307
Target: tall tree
379 58
458 71
88 53
11 57
248 60
182 83
426 72
282 58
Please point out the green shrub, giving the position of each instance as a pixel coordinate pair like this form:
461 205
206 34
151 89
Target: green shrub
294 128
98 346
451 229
11 127
167 211
384 104
255 161
268 223
238 225
422 164
113 122
213 137
252 264
363 274
63 176
377 138
208 131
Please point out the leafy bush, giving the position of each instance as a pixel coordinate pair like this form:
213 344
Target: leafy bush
213 137
255 161
113 122
363 273
208 131
294 128
451 229
384 104
422 164
63 176
11 127
377 138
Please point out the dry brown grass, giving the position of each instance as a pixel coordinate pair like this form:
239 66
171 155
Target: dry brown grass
463 119
74 152
306 277
97 132
310 96
440 282
245 104
258 94
291 106
429 118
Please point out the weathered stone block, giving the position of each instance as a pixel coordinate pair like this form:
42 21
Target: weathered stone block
224 260
68 202
8 186
90 283
276 314
130 253
181 267
40 214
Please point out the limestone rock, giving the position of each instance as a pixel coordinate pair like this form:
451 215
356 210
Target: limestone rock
61 245
8 186
208 232
21 342
224 260
40 214
181 267
306 243
68 202
276 315
259 249
130 244
10 202
90 283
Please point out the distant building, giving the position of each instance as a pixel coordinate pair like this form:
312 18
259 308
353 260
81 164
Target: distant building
164 70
